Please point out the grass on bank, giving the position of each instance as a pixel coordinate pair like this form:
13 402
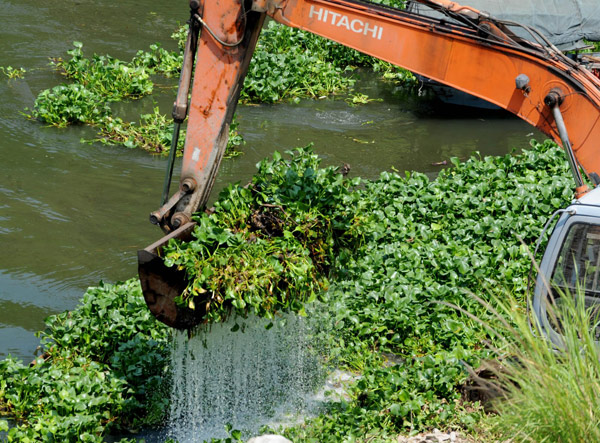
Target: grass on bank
549 393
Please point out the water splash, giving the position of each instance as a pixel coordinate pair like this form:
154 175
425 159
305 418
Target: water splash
248 377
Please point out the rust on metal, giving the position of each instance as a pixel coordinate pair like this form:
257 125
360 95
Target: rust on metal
161 284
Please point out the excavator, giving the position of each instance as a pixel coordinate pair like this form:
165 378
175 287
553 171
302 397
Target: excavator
510 65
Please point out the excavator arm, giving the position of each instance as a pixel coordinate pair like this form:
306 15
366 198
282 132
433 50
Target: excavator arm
469 50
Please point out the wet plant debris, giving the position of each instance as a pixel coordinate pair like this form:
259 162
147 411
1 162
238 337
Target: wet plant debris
270 245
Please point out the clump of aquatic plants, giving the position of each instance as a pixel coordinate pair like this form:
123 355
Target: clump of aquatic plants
95 83
68 104
13 73
269 246
159 60
359 99
102 368
109 77
154 133
288 64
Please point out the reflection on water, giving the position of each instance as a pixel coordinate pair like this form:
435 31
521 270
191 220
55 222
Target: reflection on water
72 213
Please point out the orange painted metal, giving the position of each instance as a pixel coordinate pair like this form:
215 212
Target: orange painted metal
580 191
218 77
458 57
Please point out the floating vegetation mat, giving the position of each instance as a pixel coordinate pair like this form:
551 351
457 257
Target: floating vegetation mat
97 81
288 64
271 245
381 255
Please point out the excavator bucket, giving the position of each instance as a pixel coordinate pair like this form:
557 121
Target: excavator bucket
161 284
223 35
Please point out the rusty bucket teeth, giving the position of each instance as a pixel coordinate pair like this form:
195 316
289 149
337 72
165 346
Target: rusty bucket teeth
162 284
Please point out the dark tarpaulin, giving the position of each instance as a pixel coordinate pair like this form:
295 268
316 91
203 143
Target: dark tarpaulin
564 22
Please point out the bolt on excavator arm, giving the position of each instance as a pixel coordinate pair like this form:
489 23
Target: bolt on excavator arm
471 52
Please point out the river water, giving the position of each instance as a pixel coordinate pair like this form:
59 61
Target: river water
72 214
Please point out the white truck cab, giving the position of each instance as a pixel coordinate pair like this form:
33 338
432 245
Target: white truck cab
571 262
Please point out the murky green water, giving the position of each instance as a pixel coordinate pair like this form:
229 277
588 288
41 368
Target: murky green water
72 214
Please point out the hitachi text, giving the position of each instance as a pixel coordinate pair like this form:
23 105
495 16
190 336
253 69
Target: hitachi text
343 21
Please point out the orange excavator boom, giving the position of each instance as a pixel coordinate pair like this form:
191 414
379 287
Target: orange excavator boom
470 51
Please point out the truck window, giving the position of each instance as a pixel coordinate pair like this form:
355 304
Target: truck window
578 264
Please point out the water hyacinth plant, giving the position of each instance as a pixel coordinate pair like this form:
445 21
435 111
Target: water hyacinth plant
269 246
96 82
391 251
109 77
288 64
70 104
547 392
102 368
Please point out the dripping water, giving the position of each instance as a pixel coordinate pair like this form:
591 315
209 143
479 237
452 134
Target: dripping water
245 373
